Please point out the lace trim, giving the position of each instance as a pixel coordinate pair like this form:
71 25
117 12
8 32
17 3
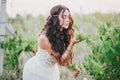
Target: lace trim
45 57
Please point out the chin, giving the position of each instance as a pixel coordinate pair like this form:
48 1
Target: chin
66 27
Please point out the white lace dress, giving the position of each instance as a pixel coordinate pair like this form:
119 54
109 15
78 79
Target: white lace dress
41 67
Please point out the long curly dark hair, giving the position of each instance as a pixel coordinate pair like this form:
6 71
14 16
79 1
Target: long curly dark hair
58 39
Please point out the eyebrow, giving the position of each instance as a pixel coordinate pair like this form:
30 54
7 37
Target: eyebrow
66 15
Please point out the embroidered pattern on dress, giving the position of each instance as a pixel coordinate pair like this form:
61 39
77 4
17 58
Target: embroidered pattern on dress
45 57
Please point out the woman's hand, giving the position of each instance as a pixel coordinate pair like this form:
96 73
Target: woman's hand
75 73
74 40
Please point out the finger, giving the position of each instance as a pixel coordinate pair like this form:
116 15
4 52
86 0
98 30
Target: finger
77 41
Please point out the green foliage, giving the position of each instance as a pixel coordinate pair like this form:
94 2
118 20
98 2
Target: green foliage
74 67
80 36
13 46
104 62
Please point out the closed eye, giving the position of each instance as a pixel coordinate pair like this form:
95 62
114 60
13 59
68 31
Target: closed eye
65 16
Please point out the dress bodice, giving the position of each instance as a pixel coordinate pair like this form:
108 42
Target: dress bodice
44 56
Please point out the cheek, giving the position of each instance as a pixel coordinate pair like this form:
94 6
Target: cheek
64 26
61 22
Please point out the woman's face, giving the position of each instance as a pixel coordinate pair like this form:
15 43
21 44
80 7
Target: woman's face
64 19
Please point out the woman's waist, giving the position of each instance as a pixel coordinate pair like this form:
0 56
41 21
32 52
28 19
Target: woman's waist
45 57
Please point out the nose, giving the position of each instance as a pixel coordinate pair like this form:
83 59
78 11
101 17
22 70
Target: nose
67 20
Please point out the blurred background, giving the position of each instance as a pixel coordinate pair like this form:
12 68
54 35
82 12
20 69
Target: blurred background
28 18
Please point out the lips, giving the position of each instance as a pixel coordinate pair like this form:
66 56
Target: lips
67 24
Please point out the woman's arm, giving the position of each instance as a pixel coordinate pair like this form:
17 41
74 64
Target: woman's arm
67 54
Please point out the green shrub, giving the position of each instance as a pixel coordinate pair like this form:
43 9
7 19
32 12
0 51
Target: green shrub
13 46
104 62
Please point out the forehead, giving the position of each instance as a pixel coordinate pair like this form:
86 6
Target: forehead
66 12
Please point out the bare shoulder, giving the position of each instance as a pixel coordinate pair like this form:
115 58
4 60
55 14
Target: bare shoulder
43 37
43 41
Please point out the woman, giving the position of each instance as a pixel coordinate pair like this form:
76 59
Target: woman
55 45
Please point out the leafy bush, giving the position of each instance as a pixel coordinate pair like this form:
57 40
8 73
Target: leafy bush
13 46
104 62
